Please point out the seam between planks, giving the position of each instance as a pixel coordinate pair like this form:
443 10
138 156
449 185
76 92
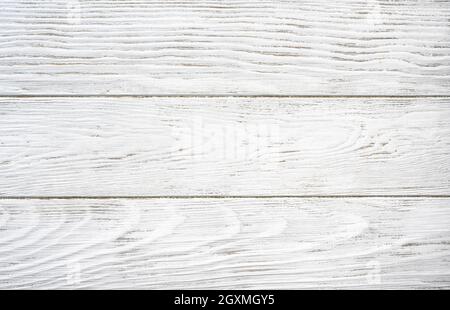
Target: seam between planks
222 96
224 197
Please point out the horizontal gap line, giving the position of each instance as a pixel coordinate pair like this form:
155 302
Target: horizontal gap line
223 96
219 197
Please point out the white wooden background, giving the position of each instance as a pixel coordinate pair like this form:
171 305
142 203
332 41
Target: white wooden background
225 144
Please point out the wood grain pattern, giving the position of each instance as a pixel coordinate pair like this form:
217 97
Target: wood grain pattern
318 47
345 184
223 146
229 243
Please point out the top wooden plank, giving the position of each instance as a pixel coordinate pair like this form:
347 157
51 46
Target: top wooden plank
225 47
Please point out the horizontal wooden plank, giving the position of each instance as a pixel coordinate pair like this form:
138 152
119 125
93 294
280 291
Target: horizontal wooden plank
204 47
223 146
229 243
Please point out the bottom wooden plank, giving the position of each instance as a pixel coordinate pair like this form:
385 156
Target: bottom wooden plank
225 243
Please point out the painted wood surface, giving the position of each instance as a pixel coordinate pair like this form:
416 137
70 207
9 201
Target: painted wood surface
225 243
223 146
273 144
346 47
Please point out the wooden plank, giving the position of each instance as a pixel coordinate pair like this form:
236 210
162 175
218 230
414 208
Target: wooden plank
204 47
225 243
223 146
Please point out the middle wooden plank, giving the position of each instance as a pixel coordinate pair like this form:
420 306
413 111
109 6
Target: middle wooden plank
223 146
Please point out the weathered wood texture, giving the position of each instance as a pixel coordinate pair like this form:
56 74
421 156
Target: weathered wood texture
346 149
210 47
224 146
245 243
